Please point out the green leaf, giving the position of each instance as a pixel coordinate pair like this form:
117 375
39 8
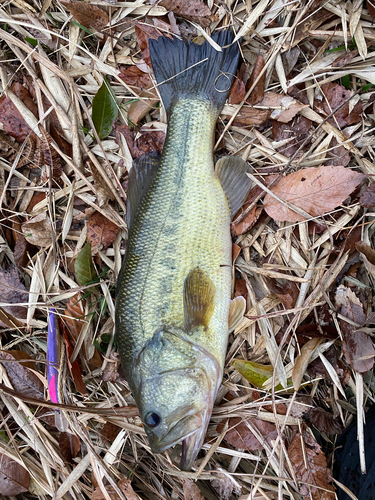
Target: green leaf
84 267
32 41
256 373
104 110
346 81
83 27
366 87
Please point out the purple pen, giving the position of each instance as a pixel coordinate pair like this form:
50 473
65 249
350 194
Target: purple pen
53 355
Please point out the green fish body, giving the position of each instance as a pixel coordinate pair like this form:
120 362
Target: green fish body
173 295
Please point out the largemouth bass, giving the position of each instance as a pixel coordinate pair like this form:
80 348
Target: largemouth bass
173 305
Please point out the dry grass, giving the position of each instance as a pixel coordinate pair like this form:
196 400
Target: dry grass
68 67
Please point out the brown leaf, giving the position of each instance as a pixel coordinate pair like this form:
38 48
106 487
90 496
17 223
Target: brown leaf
12 120
111 371
102 190
240 436
312 19
337 155
249 116
14 479
367 251
251 217
69 446
357 346
370 4
237 92
148 142
125 486
191 490
73 321
324 421
87 14
302 361
143 33
195 10
139 109
38 197
315 190
287 291
315 471
50 156
297 131
345 59
135 77
110 431
258 92
38 230
22 379
367 198
101 232
12 291
335 95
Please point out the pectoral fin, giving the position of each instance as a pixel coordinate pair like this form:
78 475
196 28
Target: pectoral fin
231 172
236 311
199 299
141 175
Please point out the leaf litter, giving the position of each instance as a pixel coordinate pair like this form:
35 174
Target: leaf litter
301 113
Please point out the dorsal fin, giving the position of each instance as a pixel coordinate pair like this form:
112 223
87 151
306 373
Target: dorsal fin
141 175
231 172
199 299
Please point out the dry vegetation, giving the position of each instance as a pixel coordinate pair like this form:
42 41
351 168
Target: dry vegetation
77 106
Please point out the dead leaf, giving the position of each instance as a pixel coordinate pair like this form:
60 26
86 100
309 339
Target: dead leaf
314 17
74 316
287 291
337 155
357 346
14 479
12 291
135 77
125 486
101 232
367 198
315 190
258 92
12 121
87 14
102 190
111 371
315 470
69 446
149 141
38 230
302 361
324 421
38 197
367 251
290 59
238 90
143 32
139 109
110 431
251 217
297 131
191 490
345 59
370 4
240 436
249 116
195 10
22 379
335 95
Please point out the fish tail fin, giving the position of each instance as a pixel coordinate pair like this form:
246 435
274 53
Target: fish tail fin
186 69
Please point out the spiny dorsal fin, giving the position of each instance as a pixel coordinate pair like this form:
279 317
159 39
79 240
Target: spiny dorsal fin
141 176
199 299
237 309
231 172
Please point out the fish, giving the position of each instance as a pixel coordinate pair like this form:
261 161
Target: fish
173 311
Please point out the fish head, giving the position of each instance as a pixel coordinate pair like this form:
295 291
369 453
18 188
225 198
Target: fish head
176 402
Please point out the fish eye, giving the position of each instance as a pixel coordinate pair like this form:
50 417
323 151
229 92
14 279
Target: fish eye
152 419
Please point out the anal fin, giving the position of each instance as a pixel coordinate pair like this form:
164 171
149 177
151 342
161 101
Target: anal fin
231 172
237 309
199 299
141 175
